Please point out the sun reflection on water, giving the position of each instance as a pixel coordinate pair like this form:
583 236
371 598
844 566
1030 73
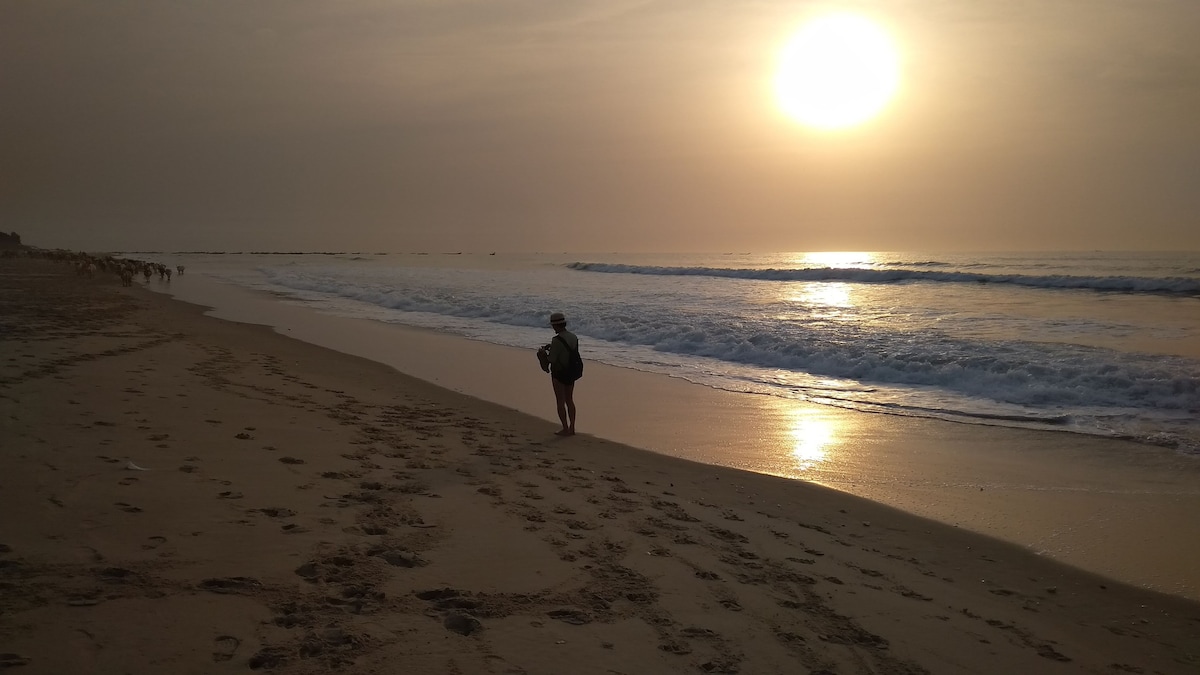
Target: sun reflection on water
812 438
828 294
854 259
832 295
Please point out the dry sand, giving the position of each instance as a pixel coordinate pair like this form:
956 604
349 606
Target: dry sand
305 511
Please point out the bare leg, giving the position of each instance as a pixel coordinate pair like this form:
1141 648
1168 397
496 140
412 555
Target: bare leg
570 396
564 398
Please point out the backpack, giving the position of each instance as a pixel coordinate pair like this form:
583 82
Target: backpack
575 370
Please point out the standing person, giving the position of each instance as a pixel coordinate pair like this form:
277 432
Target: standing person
563 356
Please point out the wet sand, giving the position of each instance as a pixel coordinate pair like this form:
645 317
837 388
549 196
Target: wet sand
192 495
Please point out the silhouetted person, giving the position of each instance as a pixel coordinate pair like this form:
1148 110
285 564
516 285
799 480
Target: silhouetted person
565 369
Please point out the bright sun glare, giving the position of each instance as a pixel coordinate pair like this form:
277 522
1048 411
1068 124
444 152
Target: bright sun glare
838 71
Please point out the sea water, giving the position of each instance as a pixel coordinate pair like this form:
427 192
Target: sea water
1105 344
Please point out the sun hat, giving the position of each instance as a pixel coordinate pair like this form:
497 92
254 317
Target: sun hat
557 318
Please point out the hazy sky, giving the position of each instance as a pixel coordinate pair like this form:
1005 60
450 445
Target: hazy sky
580 125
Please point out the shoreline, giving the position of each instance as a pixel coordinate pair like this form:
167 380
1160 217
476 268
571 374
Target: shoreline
1064 495
306 510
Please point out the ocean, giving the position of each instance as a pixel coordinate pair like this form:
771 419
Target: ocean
1103 344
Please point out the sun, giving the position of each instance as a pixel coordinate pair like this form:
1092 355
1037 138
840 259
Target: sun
838 71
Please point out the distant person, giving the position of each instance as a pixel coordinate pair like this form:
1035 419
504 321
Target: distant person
565 368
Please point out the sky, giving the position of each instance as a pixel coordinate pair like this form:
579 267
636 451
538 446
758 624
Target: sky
581 125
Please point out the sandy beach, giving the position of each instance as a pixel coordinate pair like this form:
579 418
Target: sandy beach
1113 507
186 494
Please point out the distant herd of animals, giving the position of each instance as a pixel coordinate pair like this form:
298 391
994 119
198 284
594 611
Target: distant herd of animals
88 265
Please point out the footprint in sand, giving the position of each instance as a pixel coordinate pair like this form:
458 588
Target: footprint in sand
461 623
153 543
576 617
82 601
8 660
231 585
224 647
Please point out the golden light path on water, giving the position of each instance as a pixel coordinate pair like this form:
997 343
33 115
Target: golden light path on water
855 259
812 435
833 295
826 299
